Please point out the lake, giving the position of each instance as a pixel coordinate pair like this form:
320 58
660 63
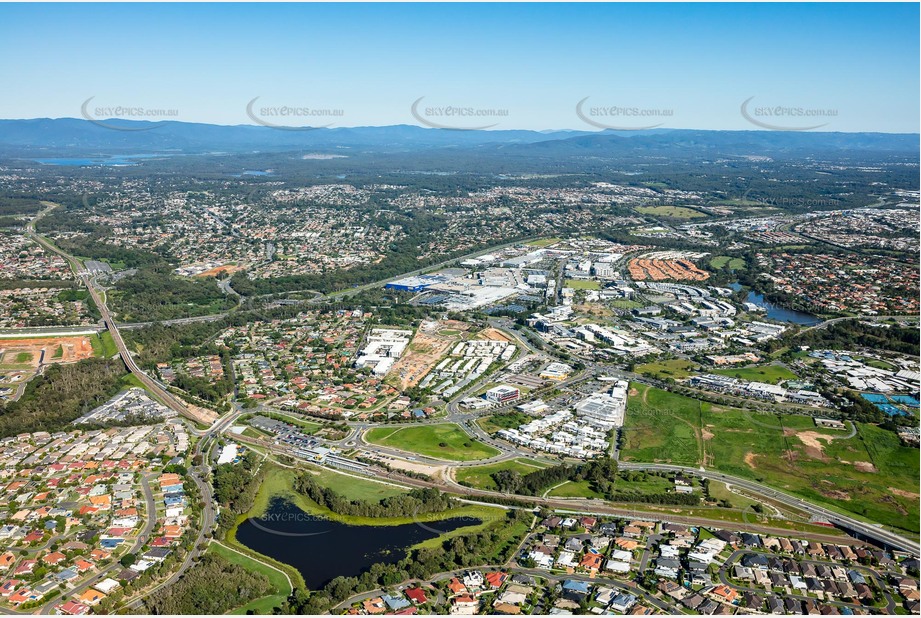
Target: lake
322 549
253 173
107 161
777 313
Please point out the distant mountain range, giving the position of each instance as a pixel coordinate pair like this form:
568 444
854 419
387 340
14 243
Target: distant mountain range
77 136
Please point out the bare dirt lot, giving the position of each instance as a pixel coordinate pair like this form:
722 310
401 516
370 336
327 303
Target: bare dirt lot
227 269
904 494
494 335
45 350
425 350
815 448
20 359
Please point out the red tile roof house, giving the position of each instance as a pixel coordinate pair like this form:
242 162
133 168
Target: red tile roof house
416 595
591 562
7 560
99 554
25 567
21 596
8 587
464 601
54 558
456 587
72 608
495 579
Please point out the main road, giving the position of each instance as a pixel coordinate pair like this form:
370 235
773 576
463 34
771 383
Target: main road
199 474
167 398
872 531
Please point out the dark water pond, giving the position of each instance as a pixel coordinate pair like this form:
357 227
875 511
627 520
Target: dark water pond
776 312
322 549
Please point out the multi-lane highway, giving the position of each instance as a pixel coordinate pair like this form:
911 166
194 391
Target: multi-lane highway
871 531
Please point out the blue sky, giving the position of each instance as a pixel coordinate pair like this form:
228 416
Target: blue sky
692 65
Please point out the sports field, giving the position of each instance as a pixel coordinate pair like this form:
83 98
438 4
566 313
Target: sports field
443 441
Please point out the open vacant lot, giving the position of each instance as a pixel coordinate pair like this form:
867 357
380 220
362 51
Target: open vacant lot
45 350
869 474
675 368
480 477
771 374
674 212
444 441
425 350
583 284
725 261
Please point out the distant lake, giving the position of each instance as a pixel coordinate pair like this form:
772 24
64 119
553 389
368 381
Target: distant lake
112 161
322 549
253 173
778 313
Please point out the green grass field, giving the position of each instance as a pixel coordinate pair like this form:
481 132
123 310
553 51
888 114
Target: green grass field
879 364
508 420
276 578
870 474
59 352
675 368
355 488
648 484
772 374
103 344
574 489
23 357
428 439
726 261
626 304
252 432
661 427
131 381
543 242
582 284
278 481
480 477
674 212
